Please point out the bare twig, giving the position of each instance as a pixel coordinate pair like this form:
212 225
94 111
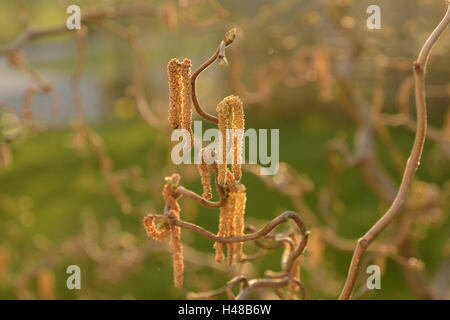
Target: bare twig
219 54
285 216
200 199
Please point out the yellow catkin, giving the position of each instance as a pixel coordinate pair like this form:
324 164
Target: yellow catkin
231 225
175 244
153 232
177 252
168 193
238 124
226 222
241 199
230 116
205 177
231 215
221 233
175 97
186 109
223 124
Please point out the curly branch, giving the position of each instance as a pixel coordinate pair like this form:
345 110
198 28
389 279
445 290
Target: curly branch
219 54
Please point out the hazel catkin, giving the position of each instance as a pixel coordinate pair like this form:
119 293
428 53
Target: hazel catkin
205 177
238 127
231 226
241 199
230 117
177 251
221 233
173 211
175 244
224 123
186 94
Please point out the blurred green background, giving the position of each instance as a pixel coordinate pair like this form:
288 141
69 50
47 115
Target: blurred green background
56 208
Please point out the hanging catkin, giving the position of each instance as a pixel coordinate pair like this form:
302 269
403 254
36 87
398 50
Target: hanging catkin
230 116
295 270
177 252
241 199
175 232
153 232
175 98
231 221
221 233
231 226
186 93
238 127
205 176
224 123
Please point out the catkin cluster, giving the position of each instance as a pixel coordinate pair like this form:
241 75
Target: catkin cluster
180 94
172 211
231 119
203 170
231 221
153 231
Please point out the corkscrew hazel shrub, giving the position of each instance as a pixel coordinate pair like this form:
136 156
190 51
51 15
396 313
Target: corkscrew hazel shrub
230 122
175 85
180 94
231 220
153 231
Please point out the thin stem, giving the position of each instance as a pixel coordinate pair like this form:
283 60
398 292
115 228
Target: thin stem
200 199
194 76
233 282
261 283
412 163
285 216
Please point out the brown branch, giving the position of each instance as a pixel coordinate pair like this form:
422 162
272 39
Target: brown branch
219 54
412 163
200 199
261 283
281 279
233 282
285 216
